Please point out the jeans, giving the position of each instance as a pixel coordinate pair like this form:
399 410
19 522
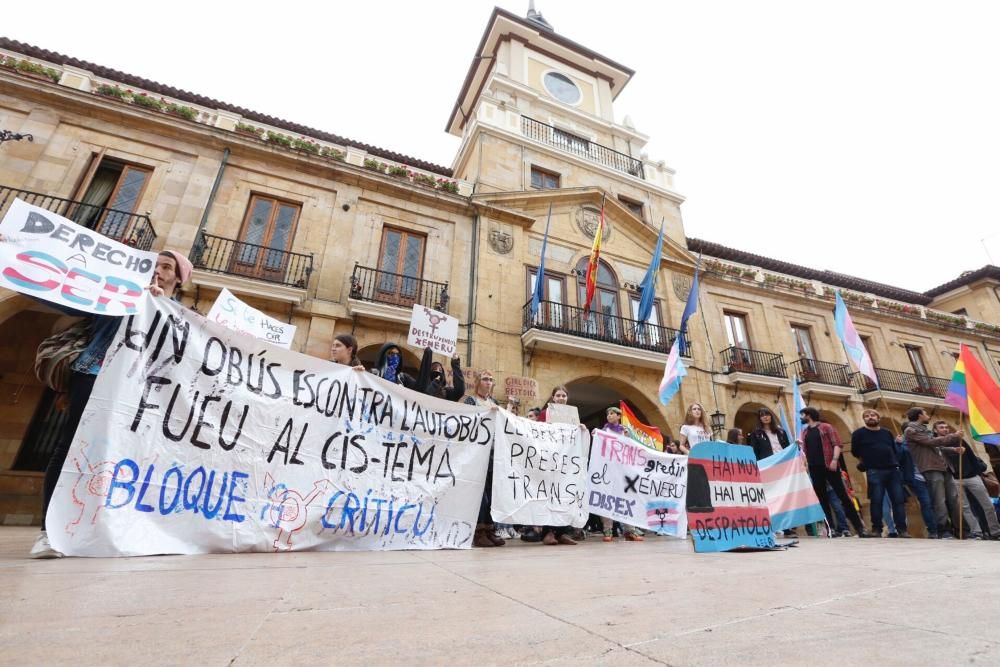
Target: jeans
80 387
975 488
886 482
919 489
821 476
944 491
838 511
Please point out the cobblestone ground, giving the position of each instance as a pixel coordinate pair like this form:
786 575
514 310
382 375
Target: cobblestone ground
826 602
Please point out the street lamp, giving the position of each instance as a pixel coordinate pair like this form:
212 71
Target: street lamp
7 135
718 422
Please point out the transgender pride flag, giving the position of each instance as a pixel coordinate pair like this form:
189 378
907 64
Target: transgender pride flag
673 372
852 341
788 489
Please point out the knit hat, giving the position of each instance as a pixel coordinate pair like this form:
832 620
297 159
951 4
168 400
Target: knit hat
184 265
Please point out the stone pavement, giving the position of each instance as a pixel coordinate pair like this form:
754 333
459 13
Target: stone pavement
826 602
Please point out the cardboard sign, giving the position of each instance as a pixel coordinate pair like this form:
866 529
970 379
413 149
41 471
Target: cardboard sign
198 439
50 257
429 328
523 388
539 472
561 413
726 505
637 485
233 314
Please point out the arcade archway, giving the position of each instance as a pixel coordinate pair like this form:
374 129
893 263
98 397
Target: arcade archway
594 395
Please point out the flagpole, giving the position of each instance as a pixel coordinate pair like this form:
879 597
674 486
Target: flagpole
961 491
885 406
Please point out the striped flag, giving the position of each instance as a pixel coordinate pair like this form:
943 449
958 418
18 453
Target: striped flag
852 341
673 373
788 489
644 434
595 258
973 391
797 405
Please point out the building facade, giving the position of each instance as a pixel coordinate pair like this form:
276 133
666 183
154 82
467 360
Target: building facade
336 236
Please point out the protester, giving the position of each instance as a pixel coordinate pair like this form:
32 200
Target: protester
768 438
695 428
533 414
614 421
485 535
172 270
821 445
559 396
972 467
927 449
672 445
875 448
389 366
514 405
432 381
344 350
735 436
552 535
632 534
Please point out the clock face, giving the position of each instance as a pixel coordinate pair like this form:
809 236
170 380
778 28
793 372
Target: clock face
562 88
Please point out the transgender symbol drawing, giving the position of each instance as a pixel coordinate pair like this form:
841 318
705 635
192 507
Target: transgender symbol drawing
288 509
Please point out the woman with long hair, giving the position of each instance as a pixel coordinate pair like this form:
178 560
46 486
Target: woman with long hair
768 438
695 428
485 535
735 436
344 350
552 535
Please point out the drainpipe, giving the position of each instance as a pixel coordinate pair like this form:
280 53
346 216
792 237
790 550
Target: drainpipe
196 246
473 279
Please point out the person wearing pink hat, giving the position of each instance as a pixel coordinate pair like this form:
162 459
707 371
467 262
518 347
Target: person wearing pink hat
172 270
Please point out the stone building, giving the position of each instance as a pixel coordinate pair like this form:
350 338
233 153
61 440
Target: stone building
336 236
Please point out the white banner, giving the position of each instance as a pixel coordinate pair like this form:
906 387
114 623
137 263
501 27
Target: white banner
50 257
539 472
637 485
429 328
197 439
233 314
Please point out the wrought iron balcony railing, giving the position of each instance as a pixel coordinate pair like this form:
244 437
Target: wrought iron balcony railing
571 143
745 360
905 383
396 289
249 260
812 370
131 229
605 327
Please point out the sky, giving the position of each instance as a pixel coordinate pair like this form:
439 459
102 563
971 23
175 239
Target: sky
859 137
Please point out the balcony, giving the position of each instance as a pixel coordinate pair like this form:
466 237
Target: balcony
220 262
132 229
391 296
904 386
823 377
743 366
571 143
568 329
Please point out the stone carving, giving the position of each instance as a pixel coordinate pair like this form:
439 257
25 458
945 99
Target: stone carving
682 285
587 219
501 241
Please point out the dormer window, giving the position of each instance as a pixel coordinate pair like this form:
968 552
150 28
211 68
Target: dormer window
562 88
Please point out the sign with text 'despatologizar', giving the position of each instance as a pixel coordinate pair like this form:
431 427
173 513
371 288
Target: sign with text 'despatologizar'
233 314
637 485
539 472
429 328
198 439
726 505
52 258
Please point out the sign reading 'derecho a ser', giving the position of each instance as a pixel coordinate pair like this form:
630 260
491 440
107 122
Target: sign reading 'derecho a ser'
430 328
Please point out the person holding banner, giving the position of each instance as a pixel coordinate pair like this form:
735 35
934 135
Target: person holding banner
172 270
389 366
344 350
695 428
632 534
485 535
439 382
553 535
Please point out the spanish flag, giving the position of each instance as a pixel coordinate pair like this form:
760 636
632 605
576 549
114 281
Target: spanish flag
595 257
644 434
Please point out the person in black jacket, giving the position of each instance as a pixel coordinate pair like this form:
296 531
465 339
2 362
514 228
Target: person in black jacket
389 366
875 447
972 468
768 438
439 382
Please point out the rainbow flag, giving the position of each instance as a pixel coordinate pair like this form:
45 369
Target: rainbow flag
644 434
595 257
974 392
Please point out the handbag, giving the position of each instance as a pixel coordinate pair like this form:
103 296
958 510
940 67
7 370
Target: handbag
56 355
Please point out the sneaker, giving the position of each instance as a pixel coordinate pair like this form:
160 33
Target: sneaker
42 548
633 537
845 533
892 535
903 535
977 536
946 536
862 534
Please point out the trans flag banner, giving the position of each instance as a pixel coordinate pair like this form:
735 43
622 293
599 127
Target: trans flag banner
789 492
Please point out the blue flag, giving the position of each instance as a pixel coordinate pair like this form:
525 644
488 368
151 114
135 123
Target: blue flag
784 420
797 405
536 296
648 286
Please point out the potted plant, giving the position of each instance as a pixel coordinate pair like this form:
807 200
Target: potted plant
398 171
448 186
187 113
375 165
333 154
306 145
144 100
250 130
279 139
423 179
108 90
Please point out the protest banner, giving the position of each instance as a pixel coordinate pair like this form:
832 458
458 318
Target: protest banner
233 314
539 472
429 328
52 258
790 496
725 502
198 439
637 485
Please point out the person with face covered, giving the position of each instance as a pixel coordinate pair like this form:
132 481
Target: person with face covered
389 366
431 379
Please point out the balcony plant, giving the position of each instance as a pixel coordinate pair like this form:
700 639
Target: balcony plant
31 69
279 139
108 90
448 186
187 113
306 145
144 100
423 179
375 165
398 171
250 130
333 154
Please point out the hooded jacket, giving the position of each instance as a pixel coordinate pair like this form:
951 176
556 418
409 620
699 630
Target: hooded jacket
381 364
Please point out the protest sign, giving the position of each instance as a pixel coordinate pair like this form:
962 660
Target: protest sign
524 389
725 501
561 413
197 439
539 472
429 328
790 496
233 314
637 485
52 258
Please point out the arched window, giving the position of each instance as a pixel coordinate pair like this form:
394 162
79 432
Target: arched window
606 295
